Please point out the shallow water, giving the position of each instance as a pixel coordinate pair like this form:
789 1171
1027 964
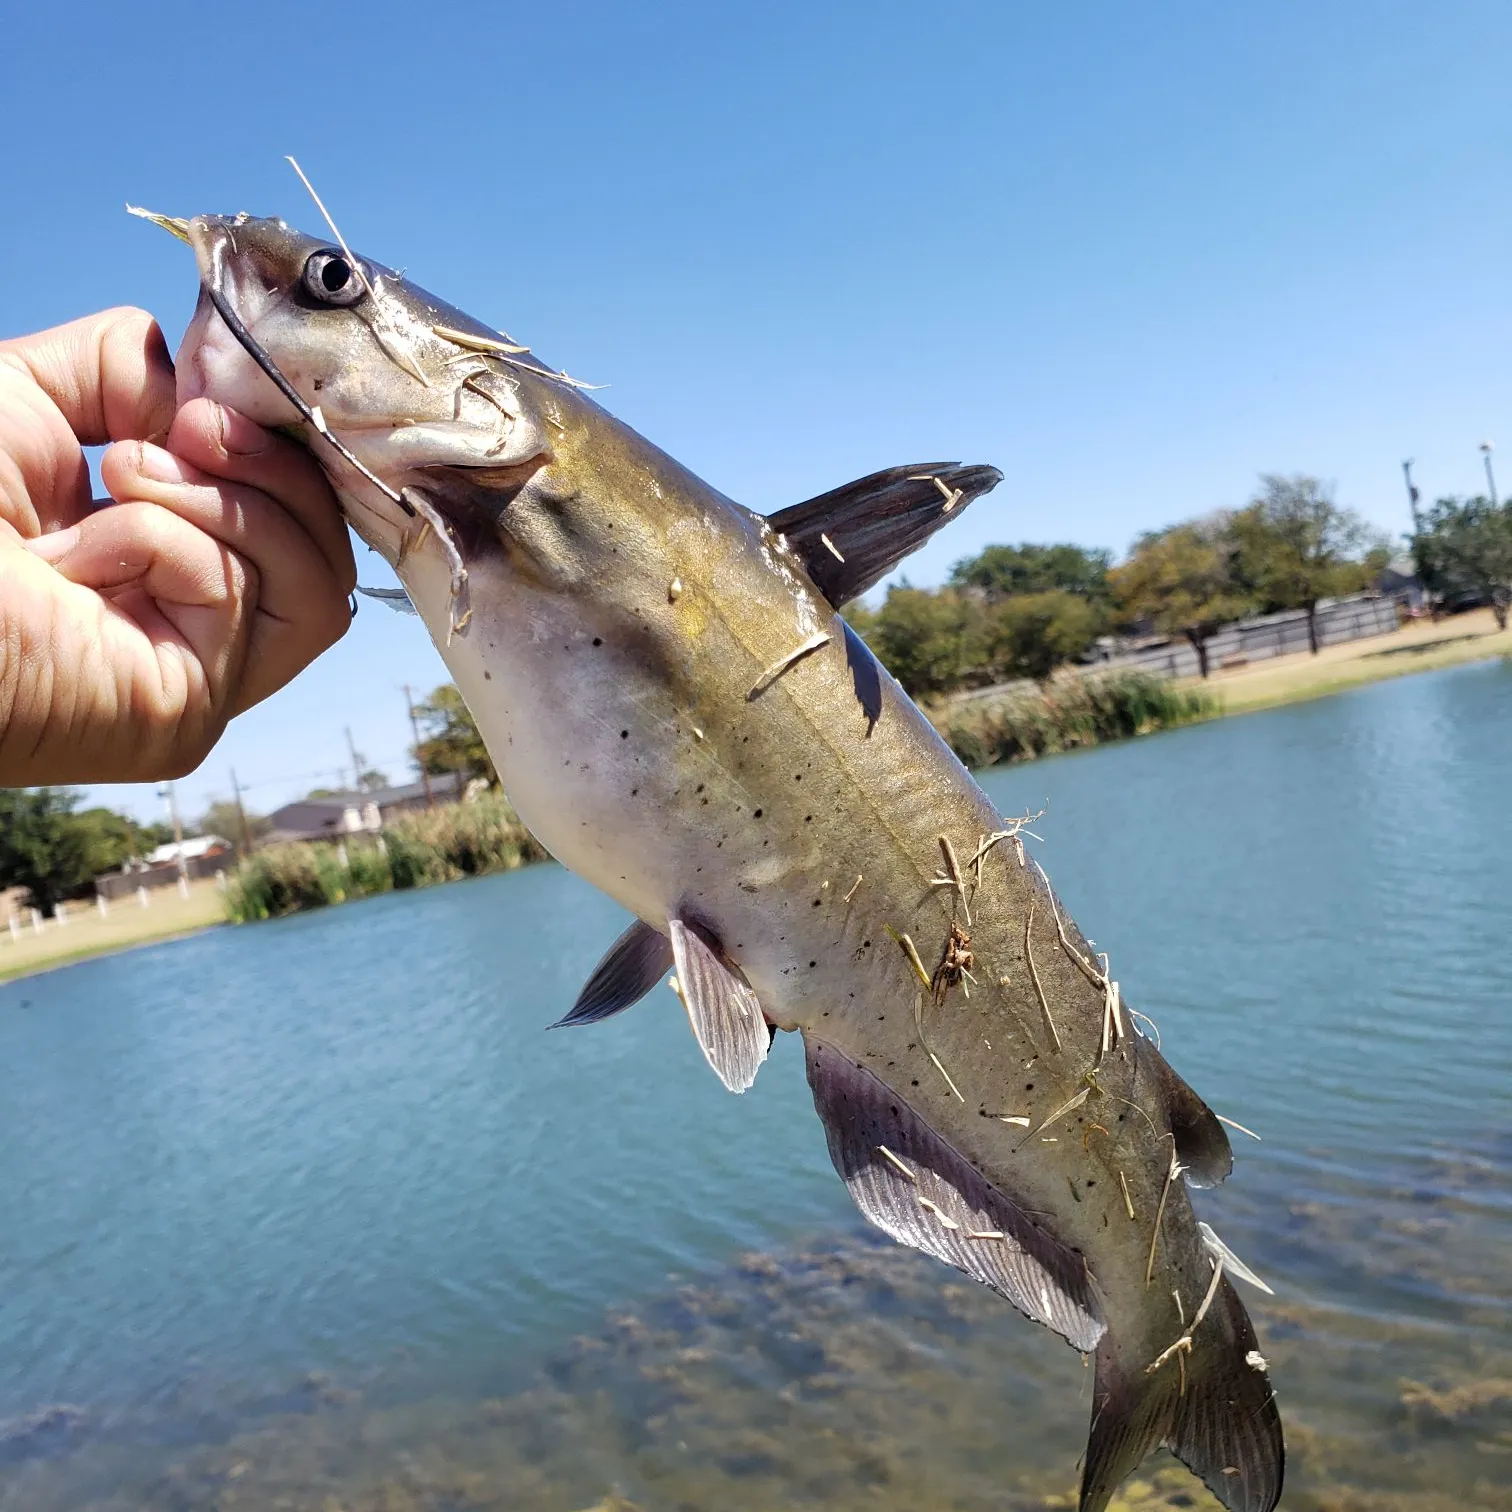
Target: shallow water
312 1215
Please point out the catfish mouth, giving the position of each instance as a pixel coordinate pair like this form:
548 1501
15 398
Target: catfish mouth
222 359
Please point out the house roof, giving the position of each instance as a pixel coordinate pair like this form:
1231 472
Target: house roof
191 850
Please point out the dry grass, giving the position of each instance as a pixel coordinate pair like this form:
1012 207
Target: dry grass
1420 646
127 924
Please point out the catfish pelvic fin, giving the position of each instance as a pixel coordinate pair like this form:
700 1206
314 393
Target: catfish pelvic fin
727 1020
873 523
921 1191
1209 1401
1201 1145
631 967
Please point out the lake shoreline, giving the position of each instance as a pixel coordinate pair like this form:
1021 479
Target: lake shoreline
1455 642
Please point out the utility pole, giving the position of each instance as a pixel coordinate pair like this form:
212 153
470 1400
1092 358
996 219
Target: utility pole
241 814
166 793
409 703
356 765
1412 497
1486 449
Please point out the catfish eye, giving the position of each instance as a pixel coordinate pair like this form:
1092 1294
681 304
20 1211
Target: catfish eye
331 279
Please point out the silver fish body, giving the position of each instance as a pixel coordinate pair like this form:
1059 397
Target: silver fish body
680 714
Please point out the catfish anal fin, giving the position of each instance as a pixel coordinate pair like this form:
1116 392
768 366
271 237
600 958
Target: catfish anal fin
918 1189
631 967
727 1020
873 523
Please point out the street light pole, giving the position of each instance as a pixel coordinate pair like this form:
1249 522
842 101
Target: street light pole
1486 450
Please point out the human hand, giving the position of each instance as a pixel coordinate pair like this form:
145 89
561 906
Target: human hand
130 634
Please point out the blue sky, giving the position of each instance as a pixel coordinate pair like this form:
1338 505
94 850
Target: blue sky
1133 255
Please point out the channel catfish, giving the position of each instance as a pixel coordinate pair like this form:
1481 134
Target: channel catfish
679 712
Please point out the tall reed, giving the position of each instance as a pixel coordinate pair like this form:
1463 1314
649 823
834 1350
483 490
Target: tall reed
1073 709
415 850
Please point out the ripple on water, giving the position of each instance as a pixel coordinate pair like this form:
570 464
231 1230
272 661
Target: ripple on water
310 1215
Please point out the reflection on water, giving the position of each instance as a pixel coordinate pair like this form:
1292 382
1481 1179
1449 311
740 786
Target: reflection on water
313 1217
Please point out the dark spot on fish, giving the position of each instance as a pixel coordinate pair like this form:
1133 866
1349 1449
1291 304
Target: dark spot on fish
319 384
598 640
866 944
914 1082
1028 1086
487 676
1091 1182
797 776
812 964
699 788
756 815
634 792
818 901
624 734
808 818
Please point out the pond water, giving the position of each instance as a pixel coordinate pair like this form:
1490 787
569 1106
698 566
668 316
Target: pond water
313 1215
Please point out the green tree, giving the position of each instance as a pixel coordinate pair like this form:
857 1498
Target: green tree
1466 546
43 848
1002 571
1295 546
224 819
1031 634
450 741
1182 581
930 641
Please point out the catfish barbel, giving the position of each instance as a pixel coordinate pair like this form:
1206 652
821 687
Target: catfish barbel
680 714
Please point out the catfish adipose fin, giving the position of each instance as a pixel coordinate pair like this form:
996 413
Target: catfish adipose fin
631 967
853 536
727 1020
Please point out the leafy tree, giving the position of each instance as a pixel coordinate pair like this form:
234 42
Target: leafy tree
43 848
1295 546
223 819
1466 545
1031 634
1182 580
1001 571
451 741
930 641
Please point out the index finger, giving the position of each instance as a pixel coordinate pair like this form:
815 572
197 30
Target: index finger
109 375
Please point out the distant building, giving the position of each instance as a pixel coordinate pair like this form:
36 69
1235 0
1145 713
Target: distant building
202 856
1399 582
195 849
336 814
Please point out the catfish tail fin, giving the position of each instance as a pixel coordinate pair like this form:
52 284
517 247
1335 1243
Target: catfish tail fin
1207 1397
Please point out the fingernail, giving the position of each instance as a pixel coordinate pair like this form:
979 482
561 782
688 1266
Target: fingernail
239 437
162 466
53 547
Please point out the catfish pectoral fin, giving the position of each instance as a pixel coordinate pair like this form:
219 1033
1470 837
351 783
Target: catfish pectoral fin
631 967
922 1192
853 536
1208 1400
396 598
727 1020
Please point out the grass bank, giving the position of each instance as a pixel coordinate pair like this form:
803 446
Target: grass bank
1072 710
126 925
1420 646
417 850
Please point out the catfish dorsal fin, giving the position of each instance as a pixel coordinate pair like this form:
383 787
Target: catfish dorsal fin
855 535
1202 1147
